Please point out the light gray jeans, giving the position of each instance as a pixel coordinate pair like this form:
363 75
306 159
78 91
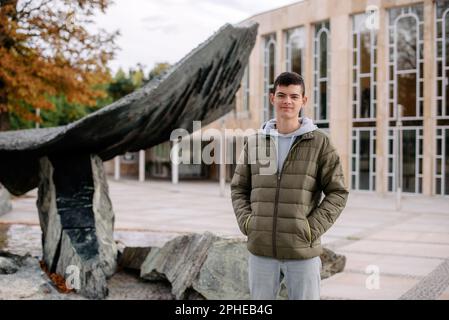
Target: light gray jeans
302 278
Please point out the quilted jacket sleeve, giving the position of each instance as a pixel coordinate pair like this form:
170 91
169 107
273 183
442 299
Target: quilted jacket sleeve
331 180
241 190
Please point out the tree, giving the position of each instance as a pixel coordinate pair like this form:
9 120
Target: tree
121 85
124 84
158 70
46 52
63 113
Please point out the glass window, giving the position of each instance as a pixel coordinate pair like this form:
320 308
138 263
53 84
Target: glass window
406 93
446 58
364 68
269 74
446 163
406 40
295 50
323 55
405 61
323 100
406 43
321 73
364 154
365 52
271 53
365 97
297 60
446 38
409 160
363 160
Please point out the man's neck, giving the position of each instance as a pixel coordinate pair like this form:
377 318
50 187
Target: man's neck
287 126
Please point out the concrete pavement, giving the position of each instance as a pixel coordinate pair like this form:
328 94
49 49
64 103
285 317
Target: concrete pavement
390 254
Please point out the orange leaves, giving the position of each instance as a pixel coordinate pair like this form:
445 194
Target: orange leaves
46 51
57 279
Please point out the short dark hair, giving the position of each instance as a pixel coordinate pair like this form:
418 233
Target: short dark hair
288 78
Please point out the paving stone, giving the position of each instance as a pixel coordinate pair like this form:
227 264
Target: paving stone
397 239
432 286
391 265
409 236
399 248
348 285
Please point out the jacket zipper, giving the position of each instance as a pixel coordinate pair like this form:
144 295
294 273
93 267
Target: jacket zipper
276 200
276 213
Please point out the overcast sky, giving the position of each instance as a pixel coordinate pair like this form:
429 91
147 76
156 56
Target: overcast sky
166 30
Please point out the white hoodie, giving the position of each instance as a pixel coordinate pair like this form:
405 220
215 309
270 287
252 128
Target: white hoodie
285 141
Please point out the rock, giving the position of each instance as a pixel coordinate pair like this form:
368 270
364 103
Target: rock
80 264
25 283
77 221
5 201
179 261
191 294
10 263
332 263
7 266
29 281
133 257
126 285
223 274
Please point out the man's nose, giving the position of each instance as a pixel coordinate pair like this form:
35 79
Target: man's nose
288 100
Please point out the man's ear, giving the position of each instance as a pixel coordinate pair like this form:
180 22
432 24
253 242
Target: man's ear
272 98
304 100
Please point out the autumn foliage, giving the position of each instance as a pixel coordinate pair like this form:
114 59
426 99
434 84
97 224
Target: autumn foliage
47 51
58 280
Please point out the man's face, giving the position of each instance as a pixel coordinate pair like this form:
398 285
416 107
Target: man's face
288 101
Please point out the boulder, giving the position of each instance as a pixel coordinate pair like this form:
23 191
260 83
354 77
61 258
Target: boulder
10 263
224 274
215 267
27 280
133 257
332 263
179 261
5 201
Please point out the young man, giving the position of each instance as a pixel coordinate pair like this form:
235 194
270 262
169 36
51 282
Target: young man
280 210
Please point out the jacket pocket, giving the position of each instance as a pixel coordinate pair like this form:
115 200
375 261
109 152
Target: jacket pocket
247 223
309 232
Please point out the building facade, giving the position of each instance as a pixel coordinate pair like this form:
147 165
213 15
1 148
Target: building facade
377 79
376 75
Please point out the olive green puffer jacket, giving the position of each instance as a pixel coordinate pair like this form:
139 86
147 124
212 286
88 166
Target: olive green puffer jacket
281 213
